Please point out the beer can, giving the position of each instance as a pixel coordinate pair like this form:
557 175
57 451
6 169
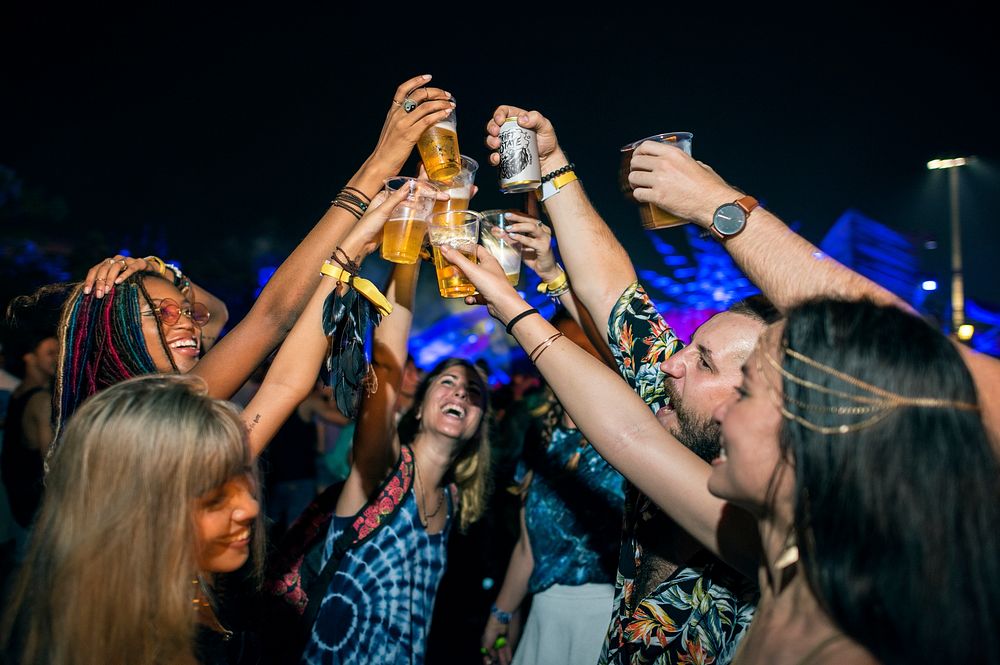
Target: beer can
519 167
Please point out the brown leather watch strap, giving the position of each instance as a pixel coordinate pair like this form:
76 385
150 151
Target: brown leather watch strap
748 203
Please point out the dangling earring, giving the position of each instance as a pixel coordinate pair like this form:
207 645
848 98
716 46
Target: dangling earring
789 555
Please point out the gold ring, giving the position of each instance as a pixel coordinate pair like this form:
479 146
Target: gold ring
110 261
396 103
124 265
101 279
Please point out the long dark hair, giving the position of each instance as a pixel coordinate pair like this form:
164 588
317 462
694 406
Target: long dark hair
471 469
898 520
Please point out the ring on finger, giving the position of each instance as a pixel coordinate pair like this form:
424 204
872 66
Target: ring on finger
409 105
124 265
397 103
110 261
101 279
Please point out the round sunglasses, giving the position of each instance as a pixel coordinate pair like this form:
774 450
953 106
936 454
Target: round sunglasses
169 312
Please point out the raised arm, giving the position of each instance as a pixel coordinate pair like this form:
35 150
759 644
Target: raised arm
228 365
786 267
376 444
620 426
585 241
535 239
292 374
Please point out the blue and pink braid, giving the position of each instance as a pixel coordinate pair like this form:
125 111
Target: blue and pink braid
101 344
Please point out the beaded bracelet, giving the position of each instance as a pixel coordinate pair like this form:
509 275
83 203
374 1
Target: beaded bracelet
558 172
501 616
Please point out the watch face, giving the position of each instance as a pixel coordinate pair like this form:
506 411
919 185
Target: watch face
729 219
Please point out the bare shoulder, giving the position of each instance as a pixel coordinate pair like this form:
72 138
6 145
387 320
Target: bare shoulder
986 373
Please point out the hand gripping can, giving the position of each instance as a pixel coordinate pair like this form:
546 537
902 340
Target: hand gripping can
519 168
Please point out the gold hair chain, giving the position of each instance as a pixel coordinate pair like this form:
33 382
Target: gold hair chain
880 405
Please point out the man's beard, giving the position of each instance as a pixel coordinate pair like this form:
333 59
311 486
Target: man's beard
701 435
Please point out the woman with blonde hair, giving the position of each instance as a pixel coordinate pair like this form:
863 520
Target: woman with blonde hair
154 493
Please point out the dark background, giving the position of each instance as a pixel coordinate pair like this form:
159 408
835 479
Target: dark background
218 136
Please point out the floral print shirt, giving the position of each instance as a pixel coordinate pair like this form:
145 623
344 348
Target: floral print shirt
698 613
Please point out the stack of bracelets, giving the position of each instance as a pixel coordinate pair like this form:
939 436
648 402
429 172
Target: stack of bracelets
353 201
557 287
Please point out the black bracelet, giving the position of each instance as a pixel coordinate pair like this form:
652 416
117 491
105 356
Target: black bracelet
558 172
527 312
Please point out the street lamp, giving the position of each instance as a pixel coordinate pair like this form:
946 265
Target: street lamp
957 292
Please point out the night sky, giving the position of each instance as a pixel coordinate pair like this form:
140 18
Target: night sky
216 133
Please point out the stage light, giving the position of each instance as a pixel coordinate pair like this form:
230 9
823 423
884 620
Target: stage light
965 331
929 285
935 164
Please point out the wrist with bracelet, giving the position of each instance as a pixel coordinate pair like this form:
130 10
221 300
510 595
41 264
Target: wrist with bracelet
503 618
556 287
554 181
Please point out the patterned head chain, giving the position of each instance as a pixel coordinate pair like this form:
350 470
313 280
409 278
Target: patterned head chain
871 406
102 344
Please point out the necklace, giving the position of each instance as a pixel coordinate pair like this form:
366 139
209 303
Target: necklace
422 512
808 658
205 611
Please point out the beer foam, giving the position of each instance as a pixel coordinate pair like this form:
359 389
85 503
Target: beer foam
448 123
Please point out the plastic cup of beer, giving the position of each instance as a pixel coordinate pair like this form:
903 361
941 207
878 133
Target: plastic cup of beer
653 217
438 148
458 229
493 236
459 188
404 232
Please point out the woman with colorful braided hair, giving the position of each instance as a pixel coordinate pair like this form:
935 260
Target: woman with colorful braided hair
135 316
856 445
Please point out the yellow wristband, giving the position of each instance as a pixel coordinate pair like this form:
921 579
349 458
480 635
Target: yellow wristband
552 187
359 284
554 285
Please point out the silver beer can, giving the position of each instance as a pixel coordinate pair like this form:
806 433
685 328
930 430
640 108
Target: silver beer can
519 167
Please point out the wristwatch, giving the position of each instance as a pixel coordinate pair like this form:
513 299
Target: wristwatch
730 218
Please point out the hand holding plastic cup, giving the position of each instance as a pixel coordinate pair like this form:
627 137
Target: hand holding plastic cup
459 188
458 230
493 236
653 217
404 231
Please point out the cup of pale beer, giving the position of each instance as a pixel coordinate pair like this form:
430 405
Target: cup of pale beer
458 229
438 148
493 236
459 188
404 232
653 217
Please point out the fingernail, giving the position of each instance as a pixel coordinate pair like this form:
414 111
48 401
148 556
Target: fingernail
522 118
86 290
425 76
